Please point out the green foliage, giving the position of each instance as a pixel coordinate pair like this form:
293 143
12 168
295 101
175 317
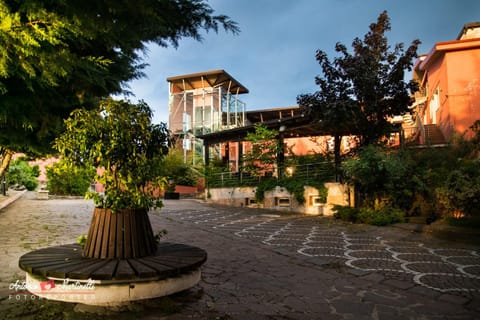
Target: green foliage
174 169
465 222
375 173
59 56
265 185
430 182
293 184
381 217
360 91
81 240
461 192
119 138
345 213
64 178
263 154
160 234
21 173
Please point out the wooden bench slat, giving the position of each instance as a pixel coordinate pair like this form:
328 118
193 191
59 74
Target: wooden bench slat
106 271
124 271
104 244
141 269
68 262
84 272
63 270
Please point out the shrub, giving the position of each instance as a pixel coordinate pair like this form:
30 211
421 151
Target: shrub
174 169
20 173
466 222
384 216
376 173
346 213
65 179
461 192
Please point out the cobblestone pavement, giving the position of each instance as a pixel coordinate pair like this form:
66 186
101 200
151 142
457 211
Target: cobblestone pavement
263 265
442 268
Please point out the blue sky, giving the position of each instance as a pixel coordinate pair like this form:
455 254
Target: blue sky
274 54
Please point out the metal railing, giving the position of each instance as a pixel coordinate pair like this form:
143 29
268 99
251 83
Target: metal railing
311 172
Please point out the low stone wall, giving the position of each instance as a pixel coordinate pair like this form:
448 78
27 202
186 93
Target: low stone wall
237 197
280 199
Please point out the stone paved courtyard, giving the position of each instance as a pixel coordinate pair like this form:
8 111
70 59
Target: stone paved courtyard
440 267
264 265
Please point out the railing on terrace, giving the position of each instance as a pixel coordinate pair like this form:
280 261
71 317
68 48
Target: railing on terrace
311 172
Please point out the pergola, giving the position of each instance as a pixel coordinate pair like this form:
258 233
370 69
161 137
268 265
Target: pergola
293 122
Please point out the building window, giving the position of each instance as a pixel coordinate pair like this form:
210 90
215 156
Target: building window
434 106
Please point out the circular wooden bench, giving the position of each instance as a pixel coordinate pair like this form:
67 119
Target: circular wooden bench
172 268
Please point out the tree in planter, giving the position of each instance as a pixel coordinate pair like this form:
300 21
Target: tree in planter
57 56
119 139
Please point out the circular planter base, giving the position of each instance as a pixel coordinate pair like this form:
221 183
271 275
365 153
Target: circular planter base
62 273
110 293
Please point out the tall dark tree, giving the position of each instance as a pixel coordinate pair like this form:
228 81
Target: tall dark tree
56 56
360 91
333 104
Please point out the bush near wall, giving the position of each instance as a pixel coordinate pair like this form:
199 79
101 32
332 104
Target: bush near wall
381 217
429 182
64 179
22 174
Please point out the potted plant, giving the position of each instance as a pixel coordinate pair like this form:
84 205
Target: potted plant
119 140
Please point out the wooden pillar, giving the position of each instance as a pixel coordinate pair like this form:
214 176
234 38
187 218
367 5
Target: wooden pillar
207 154
226 159
240 155
281 154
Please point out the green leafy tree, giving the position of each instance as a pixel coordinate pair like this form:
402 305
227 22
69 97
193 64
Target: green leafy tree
461 192
360 91
119 138
64 178
176 171
22 174
264 151
376 174
56 56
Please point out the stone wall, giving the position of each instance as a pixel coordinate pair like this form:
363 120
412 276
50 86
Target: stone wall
280 199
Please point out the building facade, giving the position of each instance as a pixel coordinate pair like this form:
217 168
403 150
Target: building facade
448 100
202 103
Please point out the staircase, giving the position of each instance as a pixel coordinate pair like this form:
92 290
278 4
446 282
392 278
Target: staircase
433 135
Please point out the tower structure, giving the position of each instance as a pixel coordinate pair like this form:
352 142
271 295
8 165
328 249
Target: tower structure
202 103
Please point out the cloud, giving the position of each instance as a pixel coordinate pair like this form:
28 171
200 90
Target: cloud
274 54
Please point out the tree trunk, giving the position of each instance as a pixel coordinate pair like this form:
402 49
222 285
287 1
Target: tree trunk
6 158
336 151
127 233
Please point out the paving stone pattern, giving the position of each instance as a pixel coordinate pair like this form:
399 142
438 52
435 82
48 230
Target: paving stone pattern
437 268
263 265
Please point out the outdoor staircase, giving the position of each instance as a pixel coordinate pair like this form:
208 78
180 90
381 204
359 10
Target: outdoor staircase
433 135
408 119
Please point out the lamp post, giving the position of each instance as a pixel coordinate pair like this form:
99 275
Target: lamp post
281 151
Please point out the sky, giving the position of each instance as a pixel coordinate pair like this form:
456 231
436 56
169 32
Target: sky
274 53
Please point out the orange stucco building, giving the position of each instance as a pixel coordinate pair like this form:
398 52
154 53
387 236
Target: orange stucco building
448 100
208 118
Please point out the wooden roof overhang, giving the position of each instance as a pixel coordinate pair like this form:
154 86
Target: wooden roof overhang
300 125
206 79
266 115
